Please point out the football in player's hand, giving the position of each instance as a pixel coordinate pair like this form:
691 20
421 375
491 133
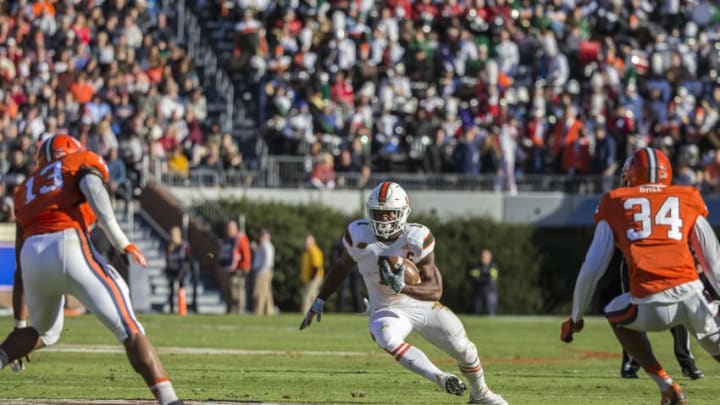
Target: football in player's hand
412 274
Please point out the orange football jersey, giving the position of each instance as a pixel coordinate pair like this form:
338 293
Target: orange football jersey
651 224
50 199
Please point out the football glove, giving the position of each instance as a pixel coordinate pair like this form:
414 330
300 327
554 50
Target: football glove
568 328
315 310
394 280
137 256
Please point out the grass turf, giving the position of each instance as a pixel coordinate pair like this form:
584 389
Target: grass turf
254 359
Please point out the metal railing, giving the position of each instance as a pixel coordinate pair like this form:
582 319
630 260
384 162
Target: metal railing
190 32
293 172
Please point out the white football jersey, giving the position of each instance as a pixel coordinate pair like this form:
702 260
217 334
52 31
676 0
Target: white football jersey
415 242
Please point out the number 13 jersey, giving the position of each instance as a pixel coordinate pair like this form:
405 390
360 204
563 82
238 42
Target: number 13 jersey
50 199
650 224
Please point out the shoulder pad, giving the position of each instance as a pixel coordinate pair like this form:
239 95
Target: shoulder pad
85 162
356 233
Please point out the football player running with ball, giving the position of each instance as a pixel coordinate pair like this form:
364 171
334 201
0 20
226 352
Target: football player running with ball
55 207
397 308
654 224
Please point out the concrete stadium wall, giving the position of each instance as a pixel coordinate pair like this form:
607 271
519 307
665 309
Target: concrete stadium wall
552 209
543 209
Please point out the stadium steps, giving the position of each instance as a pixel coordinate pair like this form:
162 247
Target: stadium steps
152 244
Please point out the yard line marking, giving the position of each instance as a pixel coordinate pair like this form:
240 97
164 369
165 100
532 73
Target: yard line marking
70 348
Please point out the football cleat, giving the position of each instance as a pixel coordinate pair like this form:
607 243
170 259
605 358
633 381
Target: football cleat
674 395
628 370
693 373
488 397
452 384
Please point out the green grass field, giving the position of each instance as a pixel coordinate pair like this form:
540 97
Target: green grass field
253 359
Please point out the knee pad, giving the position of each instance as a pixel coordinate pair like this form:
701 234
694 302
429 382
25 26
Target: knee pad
49 338
468 354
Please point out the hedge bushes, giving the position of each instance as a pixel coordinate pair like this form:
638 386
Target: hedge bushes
537 266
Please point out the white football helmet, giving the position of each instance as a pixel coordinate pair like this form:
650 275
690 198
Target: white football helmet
387 197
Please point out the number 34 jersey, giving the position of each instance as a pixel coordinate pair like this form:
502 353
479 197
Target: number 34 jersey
651 224
50 199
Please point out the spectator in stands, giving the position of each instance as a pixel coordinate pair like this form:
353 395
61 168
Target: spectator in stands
178 163
604 160
322 175
711 179
7 206
118 183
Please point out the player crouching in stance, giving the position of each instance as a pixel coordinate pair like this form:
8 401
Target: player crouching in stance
55 207
396 309
654 224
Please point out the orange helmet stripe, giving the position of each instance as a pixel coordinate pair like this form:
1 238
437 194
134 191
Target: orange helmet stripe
382 195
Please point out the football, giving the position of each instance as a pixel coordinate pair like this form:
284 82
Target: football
412 275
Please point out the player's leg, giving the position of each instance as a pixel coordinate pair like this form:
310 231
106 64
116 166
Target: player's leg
683 354
389 328
42 281
445 330
702 321
630 322
101 289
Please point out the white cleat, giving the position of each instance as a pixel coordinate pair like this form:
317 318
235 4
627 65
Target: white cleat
452 385
487 397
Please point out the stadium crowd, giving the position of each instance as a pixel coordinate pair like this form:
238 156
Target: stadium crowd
496 87
110 74
484 86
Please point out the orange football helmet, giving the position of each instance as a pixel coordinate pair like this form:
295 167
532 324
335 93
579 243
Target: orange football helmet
647 166
56 147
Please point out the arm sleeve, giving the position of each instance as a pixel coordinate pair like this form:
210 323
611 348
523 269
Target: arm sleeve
596 261
707 250
94 191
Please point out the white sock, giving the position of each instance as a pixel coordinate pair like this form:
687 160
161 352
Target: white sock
416 361
475 376
164 391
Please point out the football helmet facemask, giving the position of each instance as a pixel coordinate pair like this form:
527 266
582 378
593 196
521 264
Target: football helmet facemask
56 147
388 208
646 166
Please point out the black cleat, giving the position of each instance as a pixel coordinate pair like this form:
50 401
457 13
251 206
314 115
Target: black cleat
628 371
692 373
454 385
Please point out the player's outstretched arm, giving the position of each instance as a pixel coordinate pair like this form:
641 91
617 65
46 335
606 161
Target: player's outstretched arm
339 271
597 258
93 188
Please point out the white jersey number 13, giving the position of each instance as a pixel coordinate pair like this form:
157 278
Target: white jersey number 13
52 173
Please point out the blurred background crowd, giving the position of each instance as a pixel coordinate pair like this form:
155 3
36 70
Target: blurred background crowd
506 88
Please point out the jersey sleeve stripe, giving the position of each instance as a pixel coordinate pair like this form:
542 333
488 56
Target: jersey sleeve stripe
429 240
126 315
